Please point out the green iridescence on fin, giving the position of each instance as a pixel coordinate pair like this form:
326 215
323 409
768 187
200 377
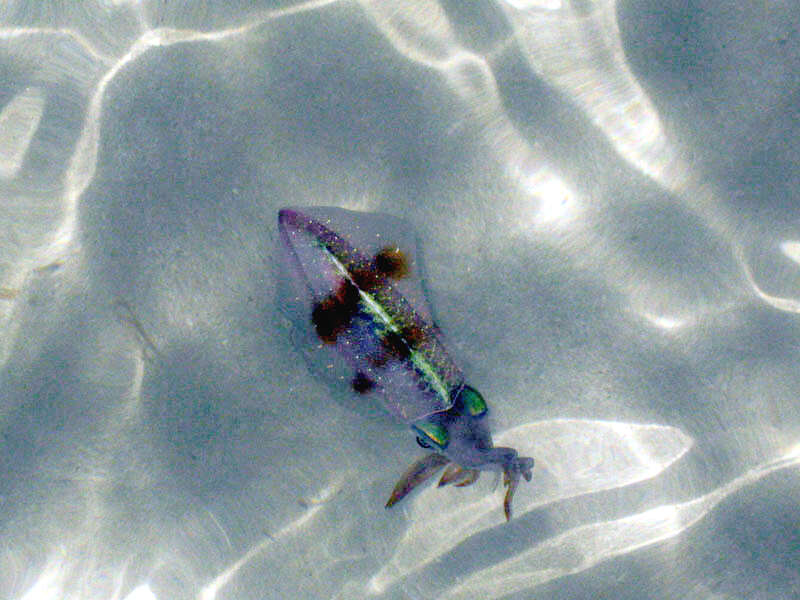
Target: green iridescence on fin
473 401
434 432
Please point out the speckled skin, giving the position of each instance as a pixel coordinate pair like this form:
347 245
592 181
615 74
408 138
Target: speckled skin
395 353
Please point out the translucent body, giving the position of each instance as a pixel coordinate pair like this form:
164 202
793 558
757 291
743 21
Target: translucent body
366 325
354 294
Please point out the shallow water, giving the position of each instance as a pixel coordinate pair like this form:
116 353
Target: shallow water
605 196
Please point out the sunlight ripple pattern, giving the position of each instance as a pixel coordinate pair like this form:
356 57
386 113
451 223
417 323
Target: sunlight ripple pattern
573 457
583 547
580 52
19 120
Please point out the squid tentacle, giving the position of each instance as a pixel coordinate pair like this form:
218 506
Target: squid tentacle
421 470
470 477
513 469
458 476
452 473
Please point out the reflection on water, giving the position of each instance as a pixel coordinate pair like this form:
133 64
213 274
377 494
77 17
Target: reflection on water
573 457
583 547
578 457
620 273
18 122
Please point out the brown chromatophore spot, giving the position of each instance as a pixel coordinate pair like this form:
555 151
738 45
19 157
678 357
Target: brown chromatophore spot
390 262
366 278
396 346
334 314
361 383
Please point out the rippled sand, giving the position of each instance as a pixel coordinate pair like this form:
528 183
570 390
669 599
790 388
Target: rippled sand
606 200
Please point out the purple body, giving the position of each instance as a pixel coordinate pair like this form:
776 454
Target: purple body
353 292
360 310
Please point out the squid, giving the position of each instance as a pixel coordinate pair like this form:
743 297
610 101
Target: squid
350 281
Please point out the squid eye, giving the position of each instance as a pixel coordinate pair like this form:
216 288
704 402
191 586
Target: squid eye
473 401
432 432
422 443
